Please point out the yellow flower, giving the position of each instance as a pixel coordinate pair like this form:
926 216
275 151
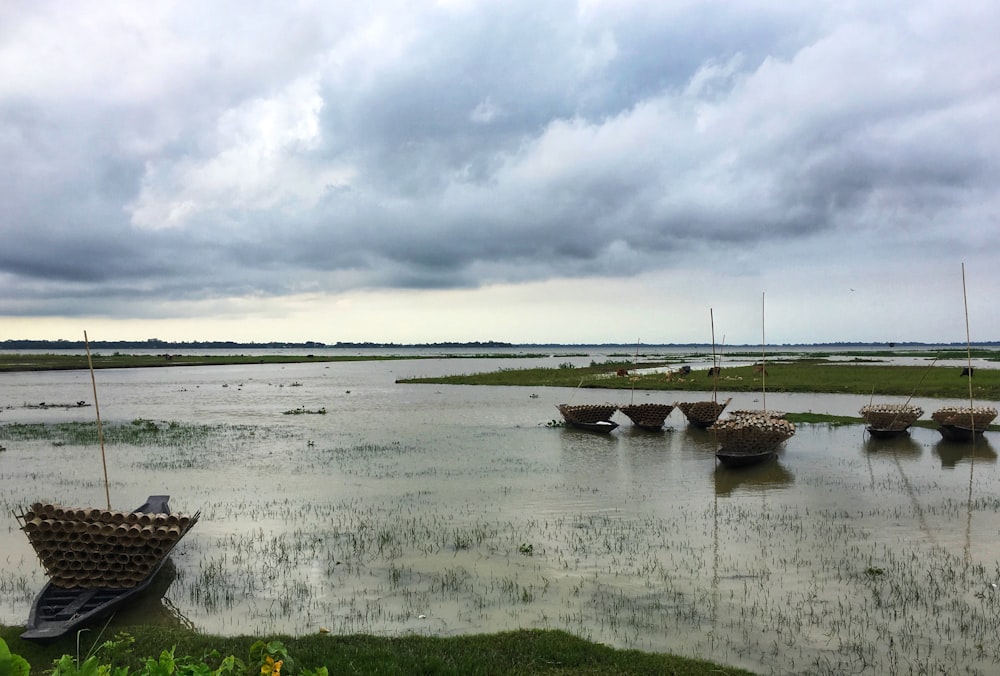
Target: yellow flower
271 667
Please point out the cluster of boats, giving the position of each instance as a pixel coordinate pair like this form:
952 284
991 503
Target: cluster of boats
749 437
745 437
955 423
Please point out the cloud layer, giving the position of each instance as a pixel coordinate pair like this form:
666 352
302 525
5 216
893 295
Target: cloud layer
170 153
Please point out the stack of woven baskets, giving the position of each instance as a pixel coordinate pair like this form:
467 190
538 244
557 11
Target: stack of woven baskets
975 417
890 417
647 415
702 413
586 414
96 548
752 432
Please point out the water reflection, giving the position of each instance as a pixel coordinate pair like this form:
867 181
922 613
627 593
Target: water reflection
153 606
904 447
754 478
953 452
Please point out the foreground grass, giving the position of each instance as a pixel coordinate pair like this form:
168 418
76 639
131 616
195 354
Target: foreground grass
802 375
518 652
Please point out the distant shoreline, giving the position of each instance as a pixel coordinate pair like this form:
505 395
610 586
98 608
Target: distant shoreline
154 344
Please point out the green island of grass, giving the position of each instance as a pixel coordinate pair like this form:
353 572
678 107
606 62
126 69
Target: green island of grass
807 375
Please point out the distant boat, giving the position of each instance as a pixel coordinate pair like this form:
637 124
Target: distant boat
97 560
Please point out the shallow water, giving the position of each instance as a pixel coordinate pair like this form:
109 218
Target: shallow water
455 509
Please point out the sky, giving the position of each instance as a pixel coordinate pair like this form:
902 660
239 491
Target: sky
522 171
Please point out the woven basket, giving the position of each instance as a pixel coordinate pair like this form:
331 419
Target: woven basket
890 417
650 415
752 433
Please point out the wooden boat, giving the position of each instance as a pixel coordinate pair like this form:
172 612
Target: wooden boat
881 433
125 552
737 458
602 426
959 433
963 423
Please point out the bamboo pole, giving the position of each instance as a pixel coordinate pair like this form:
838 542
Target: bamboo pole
100 429
763 364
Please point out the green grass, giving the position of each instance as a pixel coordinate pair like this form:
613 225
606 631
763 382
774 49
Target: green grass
139 432
803 376
517 652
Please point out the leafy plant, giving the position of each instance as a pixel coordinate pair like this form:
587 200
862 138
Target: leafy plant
11 664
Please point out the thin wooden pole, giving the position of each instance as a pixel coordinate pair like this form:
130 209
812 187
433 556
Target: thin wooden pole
968 347
100 429
715 364
763 363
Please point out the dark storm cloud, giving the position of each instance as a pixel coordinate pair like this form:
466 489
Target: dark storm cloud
203 152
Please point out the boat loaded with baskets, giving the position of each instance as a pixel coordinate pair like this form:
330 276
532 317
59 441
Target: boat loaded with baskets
648 416
890 420
702 413
591 417
963 423
96 559
749 437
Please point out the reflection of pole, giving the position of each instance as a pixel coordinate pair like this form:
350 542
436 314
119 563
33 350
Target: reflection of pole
715 561
100 430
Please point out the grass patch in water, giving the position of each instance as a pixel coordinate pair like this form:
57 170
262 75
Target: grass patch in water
139 432
803 376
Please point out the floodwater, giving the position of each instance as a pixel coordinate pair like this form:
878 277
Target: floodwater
447 510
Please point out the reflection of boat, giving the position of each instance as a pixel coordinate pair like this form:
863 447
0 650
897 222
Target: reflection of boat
951 453
901 446
97 560
761 477
591 417
647 416
886 421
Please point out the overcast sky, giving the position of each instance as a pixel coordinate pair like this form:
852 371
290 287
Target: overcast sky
593 171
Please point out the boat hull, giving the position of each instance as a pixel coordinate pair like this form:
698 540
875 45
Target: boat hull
602 426
959 433
736 459
886 433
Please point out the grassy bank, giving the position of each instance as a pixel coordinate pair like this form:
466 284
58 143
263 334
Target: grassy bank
802 375
518 652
